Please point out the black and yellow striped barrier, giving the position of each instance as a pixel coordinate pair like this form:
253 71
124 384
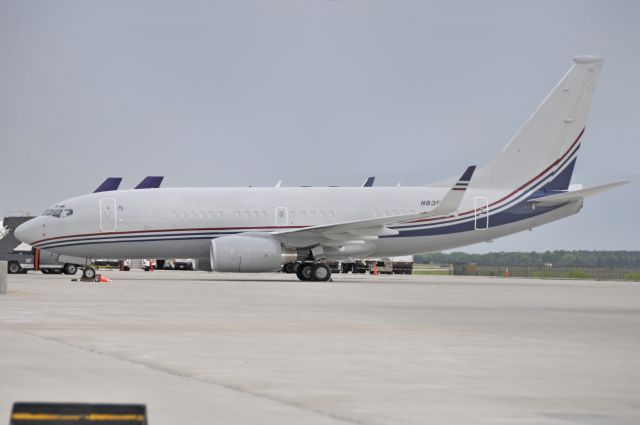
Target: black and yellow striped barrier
78 413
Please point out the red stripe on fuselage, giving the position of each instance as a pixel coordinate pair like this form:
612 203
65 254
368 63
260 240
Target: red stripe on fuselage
200 229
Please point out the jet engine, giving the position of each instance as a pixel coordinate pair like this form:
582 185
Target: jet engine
247 254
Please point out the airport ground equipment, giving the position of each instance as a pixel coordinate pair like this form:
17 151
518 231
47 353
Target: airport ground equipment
78 414
21 257
183 264
3 277
356 267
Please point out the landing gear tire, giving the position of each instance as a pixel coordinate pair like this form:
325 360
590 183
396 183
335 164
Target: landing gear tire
44 271
89 273
70 269
304 272
14 267
321 272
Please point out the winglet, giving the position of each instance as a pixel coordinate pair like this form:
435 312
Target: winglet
368 182
150 182
111 183
453 197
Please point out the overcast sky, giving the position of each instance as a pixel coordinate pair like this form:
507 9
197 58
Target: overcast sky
239 93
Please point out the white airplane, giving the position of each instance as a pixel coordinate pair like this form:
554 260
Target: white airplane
258 229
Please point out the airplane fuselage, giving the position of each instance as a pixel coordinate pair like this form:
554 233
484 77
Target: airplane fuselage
180 222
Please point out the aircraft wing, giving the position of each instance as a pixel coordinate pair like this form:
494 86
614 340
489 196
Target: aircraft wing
358 231
574 195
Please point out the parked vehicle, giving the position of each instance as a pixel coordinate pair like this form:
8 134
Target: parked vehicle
183 264
21 257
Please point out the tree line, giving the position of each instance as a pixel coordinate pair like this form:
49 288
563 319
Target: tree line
556 258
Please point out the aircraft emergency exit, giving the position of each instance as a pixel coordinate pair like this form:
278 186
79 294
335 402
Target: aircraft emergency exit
258 229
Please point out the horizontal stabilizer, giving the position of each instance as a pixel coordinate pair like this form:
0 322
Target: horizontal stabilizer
150 182
368 182
574 195
111 183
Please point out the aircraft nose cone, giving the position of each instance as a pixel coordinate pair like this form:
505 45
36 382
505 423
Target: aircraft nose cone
25 232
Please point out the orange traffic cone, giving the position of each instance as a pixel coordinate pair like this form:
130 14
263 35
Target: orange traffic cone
104 279
506 272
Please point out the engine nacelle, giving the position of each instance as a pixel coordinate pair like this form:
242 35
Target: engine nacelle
248 254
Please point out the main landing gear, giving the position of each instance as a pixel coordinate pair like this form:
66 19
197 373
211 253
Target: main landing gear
318 272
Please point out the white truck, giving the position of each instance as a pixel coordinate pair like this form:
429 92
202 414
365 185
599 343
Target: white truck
21 257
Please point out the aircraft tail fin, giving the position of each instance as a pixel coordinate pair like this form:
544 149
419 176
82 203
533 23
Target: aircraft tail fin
111 183
546 144
369 182
150 182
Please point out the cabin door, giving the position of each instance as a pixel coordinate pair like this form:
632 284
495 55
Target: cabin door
481 214
107 215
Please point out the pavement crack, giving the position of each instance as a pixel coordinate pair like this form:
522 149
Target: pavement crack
230 387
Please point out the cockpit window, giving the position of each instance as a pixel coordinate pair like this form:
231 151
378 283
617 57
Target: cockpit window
58 211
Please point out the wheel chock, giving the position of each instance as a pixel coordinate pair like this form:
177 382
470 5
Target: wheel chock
78 414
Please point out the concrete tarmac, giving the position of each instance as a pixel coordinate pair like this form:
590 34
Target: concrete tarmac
204 348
